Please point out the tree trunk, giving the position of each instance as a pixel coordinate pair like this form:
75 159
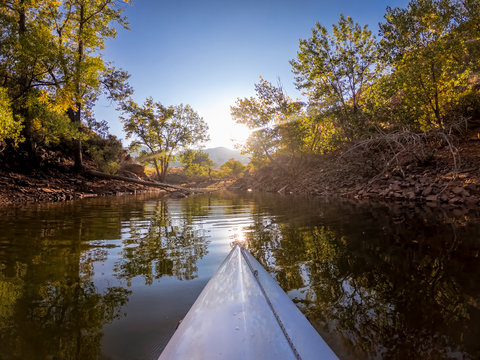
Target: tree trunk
27 132
156 167
141 182
164 168
435 96
74 116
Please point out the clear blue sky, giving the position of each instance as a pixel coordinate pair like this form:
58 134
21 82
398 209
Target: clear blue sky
207 53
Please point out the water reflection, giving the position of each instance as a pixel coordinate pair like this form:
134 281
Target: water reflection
111 278
385 284
162 244
50 308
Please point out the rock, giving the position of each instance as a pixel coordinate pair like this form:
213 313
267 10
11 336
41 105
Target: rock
471 187
133 168
383 192
432 198
128 174
455 200
410 195
444 198
427 191
395 187
458 190
470 200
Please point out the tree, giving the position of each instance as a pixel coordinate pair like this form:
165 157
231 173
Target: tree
81 28
426 46
263 113
10 128
233 168
162 130
195 162
26 44
51 63
335 69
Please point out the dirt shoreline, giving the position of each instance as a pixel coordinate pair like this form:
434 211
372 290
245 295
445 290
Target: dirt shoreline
61 184
438 183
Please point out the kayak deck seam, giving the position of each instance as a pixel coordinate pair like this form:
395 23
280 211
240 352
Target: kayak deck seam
270 305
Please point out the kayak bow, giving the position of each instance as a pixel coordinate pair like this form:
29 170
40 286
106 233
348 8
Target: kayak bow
242 313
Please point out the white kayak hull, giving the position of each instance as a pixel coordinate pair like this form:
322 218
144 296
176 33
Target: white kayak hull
243 314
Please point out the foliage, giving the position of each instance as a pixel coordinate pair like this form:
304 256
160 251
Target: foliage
162 131
10 127
421 77
264 113
195 162
335 69
322 135
49 125
232 168
431 61
105 152
52 51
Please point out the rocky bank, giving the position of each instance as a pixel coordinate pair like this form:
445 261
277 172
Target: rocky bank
444 179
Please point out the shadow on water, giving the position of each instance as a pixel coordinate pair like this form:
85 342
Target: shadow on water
378 281
110 278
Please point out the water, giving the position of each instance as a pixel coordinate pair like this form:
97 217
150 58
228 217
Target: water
110 278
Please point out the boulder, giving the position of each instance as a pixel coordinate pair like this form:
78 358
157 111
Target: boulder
133 168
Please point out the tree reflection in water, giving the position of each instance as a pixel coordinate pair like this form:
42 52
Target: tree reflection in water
50 307
162 244
378 284
376 281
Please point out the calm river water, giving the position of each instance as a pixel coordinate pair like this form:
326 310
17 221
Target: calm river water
110 278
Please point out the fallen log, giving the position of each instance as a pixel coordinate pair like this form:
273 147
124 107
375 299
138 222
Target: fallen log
140 182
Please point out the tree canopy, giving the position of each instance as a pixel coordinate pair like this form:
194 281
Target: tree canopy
263 114
159 131
195 162
421 75
334 69
52 65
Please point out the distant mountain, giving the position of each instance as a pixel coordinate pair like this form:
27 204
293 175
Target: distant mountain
220 155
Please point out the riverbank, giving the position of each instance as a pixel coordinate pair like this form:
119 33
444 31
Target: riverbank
60 184
442 177
448 177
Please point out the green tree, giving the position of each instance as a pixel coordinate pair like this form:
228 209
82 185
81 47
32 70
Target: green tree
105 152
26 45
233 168
81 28
10 127
195 162
263 113
52 64
334 69
429 50
162 131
